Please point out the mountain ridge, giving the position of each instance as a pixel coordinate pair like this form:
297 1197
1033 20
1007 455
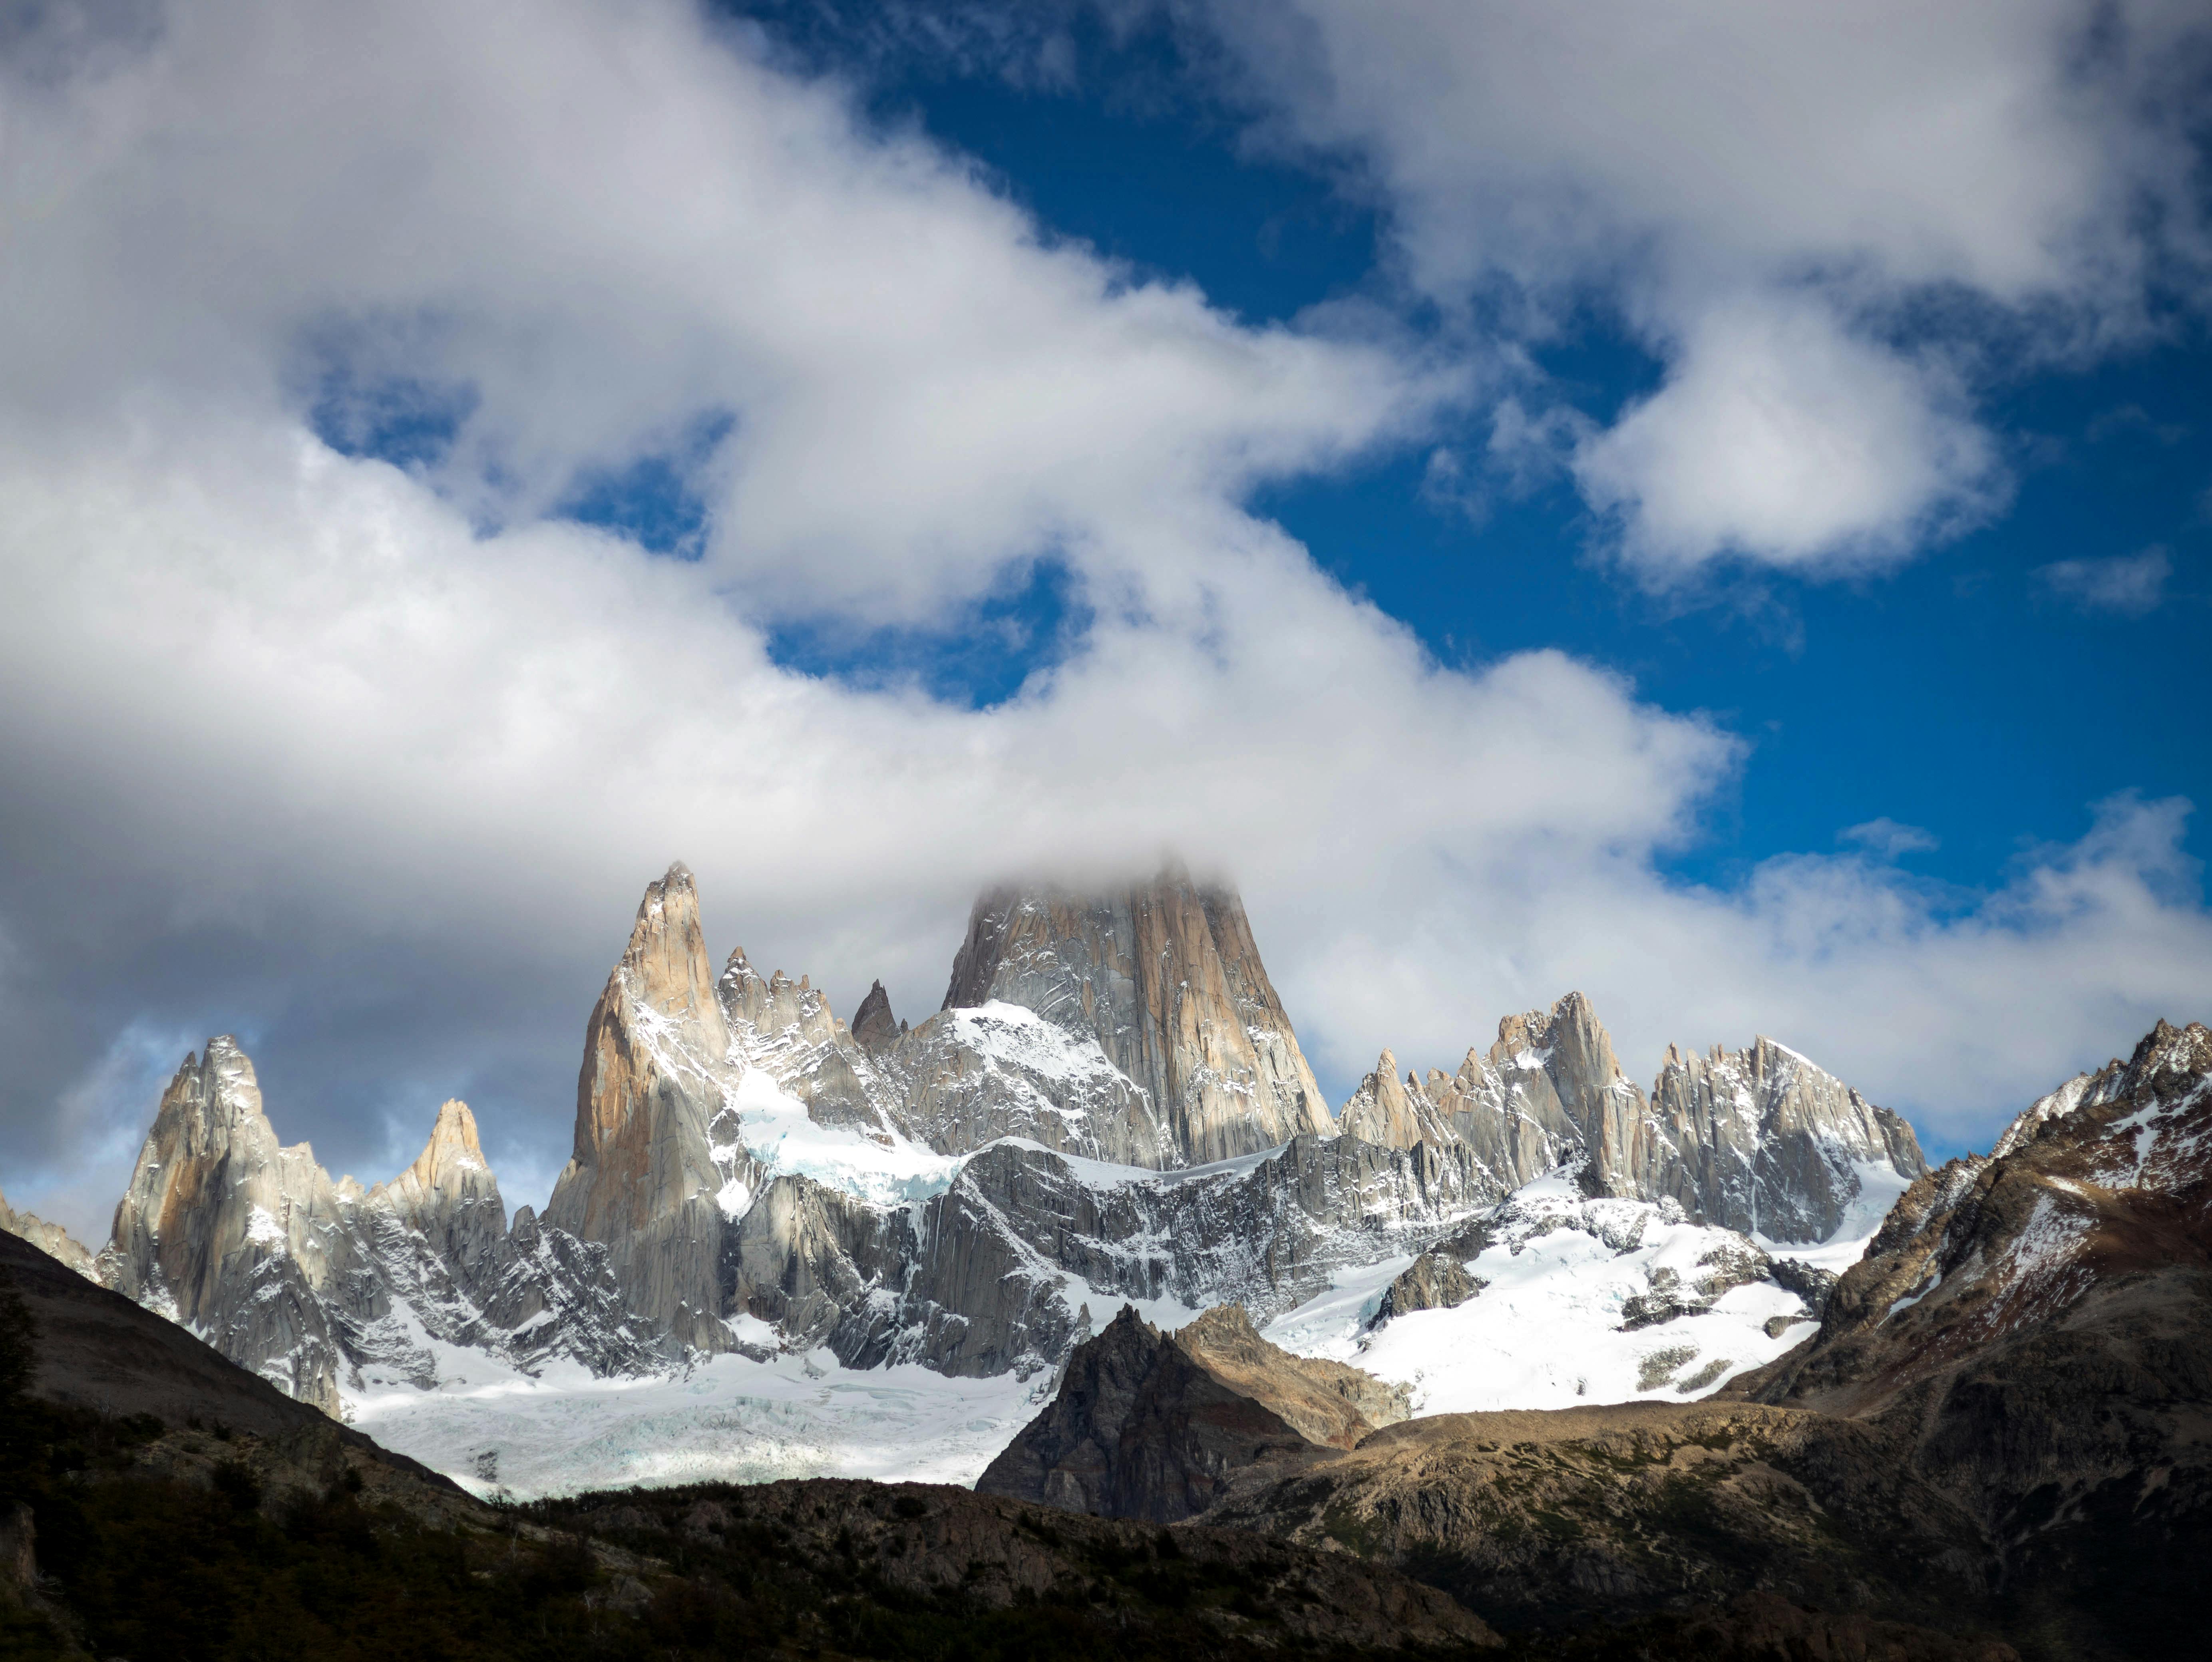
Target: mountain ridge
752 1175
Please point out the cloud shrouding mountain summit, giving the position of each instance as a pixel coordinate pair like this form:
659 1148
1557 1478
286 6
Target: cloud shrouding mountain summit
367 761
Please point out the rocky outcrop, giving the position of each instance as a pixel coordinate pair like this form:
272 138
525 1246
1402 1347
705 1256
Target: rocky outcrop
51 1239
1324 1402
450 1199
2105 1184
1166 977
1395 1113
2034 1327
873 1029
643 1181
307 1282
1435 1281
1140 1428
787 1030
231 1234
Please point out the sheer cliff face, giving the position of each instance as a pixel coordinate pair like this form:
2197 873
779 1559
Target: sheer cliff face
643 1178
1762 1140
1166 978
309 1282
450 1197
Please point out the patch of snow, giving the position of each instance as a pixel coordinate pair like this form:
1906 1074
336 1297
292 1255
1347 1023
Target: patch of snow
263 1230
1546 1331
884 1168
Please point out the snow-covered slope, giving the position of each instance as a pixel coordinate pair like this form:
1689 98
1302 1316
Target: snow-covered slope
1584 1300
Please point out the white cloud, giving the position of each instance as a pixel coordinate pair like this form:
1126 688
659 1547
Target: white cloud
2131 584
1779 437
1767 192
593 227
372 764
1886 839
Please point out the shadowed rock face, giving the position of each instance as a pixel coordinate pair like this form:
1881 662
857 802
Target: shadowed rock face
1141 1429
1166 978
1540 1518
872 1025
1434 1281
642 1179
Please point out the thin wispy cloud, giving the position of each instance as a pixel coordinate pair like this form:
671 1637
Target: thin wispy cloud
2130 585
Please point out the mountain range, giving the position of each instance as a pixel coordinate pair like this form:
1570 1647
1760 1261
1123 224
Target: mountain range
1088 1238
1111 1105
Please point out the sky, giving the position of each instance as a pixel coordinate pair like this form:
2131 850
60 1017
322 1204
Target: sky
1709 504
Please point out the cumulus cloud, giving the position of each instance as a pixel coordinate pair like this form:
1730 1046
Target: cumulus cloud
552 240
1772 195
1780 438
2130 585
367 760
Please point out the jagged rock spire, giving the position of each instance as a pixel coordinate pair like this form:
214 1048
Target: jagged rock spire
873 1024
642 1178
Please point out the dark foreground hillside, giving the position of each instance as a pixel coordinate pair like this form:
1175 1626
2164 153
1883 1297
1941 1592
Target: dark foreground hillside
140 1518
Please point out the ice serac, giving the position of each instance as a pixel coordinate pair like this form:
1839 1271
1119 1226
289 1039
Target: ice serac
643 1179
1763 1140
1166 977
51 1239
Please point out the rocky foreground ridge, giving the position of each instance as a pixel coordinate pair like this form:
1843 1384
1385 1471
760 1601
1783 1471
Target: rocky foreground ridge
1111 1105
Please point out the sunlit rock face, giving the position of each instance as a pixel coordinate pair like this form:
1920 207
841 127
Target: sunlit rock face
643 1180
1166 978
1762 1140
231 1233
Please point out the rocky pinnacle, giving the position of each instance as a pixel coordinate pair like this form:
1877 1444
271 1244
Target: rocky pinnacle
1165 975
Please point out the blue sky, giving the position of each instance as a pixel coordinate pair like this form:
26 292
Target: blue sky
1707 505
1963 695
